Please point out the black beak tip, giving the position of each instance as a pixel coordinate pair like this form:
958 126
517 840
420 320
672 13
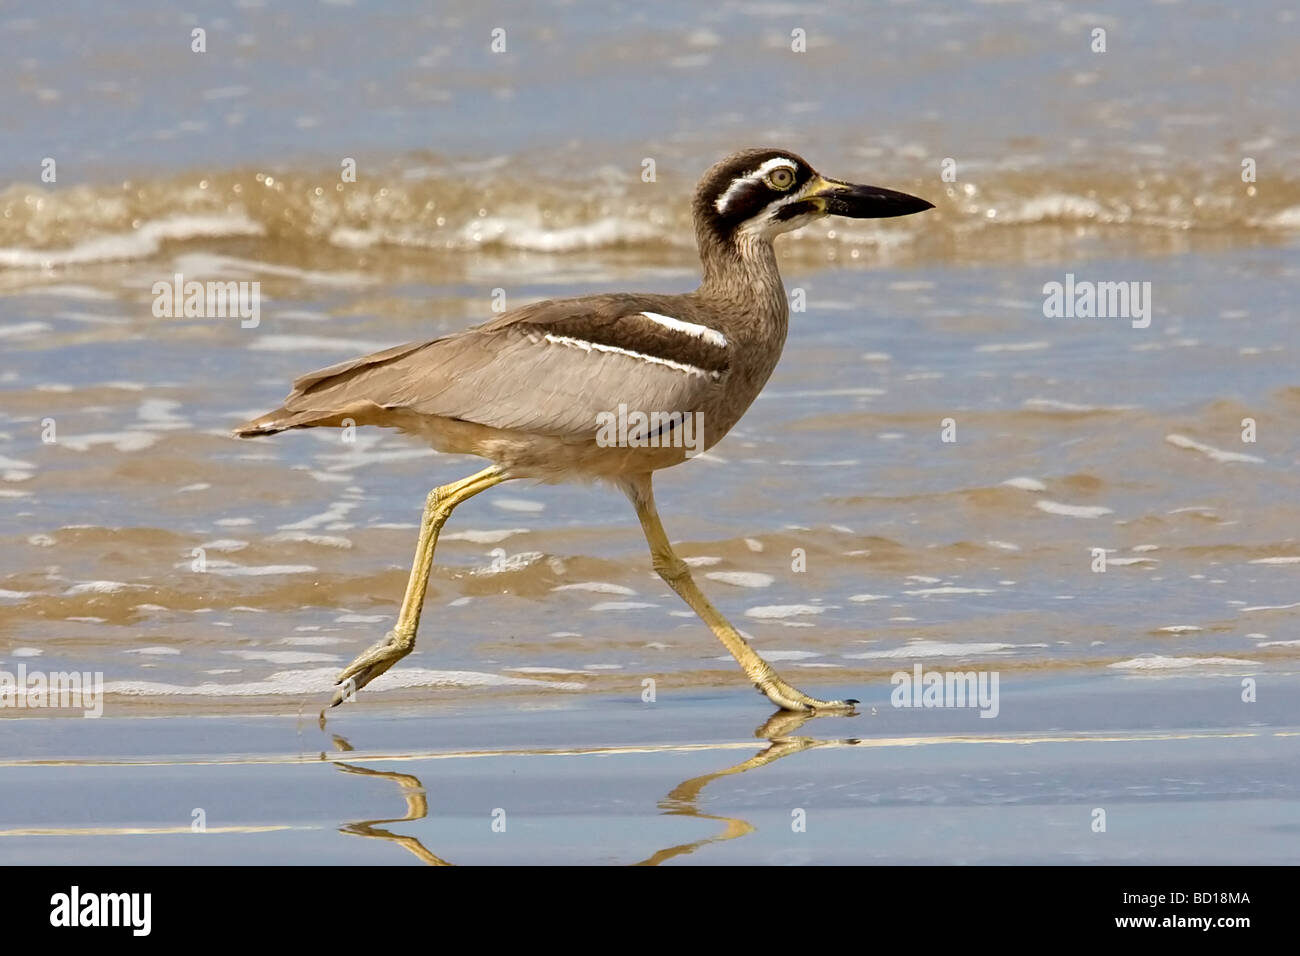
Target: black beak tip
874 202
904 204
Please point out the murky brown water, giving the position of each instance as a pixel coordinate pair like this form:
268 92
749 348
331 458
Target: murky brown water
199 572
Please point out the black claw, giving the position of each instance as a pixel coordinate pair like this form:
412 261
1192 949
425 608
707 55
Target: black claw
852 701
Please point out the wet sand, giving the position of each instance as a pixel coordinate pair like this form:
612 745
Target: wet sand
1184 770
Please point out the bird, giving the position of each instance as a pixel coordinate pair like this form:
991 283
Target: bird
607 388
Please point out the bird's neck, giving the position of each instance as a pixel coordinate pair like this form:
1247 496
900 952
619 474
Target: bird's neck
742 272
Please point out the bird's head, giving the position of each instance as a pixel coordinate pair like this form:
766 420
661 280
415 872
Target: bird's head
761 193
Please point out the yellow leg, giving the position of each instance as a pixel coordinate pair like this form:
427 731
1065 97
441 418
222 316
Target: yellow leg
678 576
401 639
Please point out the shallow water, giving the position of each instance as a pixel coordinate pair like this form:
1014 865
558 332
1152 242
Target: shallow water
1184 772
522 172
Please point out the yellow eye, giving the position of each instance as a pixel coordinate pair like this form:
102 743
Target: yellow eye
781 178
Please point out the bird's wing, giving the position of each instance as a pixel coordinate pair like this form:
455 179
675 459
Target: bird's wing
550 368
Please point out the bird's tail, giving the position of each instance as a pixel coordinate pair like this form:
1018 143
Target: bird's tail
274 422
284 418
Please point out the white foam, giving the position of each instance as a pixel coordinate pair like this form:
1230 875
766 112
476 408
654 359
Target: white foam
18 330
1072 511
139 242
514 562
285 657
1057 405
920 649
1025 483
225 545
1012 347
1216 454
1288 218
742 579
122 441
482 537
321 681
324 540
100 587
780 611
337 511
518 504
159 411
1271 607
1155 662
597 587
230 569
523 234
313 343
949 589
1053 207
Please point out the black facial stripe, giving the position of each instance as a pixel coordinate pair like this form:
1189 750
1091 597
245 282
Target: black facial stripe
636 333
795 209
746 200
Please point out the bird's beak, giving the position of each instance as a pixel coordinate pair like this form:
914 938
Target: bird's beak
864 202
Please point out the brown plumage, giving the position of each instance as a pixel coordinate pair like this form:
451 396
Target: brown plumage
529 390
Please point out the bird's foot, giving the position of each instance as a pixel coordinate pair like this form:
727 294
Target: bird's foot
793 699
371 663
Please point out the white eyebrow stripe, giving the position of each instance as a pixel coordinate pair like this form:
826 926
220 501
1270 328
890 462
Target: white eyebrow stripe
614 349
740 181
712 336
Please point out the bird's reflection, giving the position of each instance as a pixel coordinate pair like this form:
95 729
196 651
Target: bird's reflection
683 800
417 808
